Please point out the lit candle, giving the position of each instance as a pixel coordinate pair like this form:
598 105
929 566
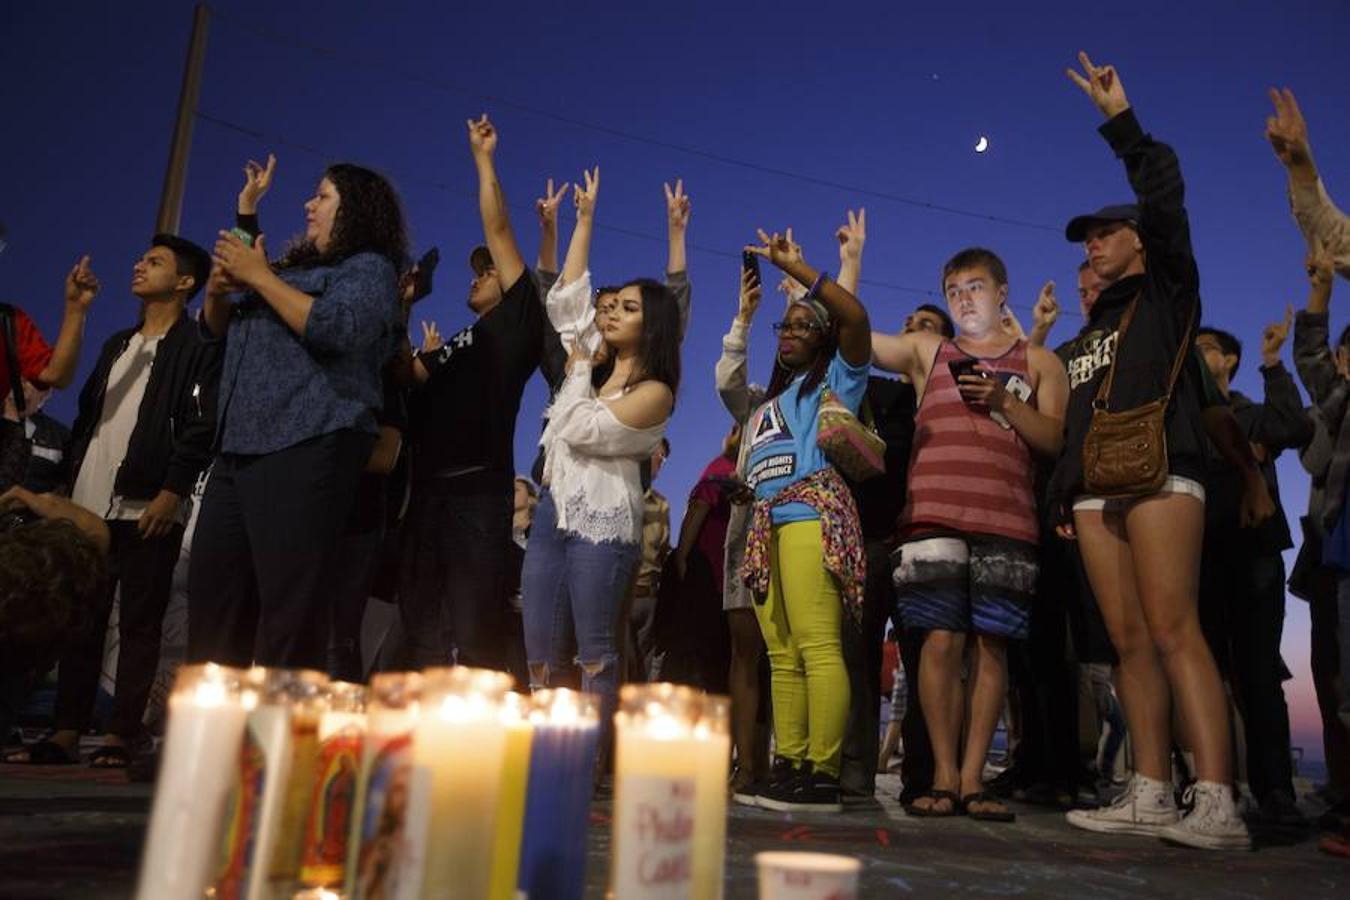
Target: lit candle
388 828
511 799
207 711
669 824
325 827
458 751
257 800
558 801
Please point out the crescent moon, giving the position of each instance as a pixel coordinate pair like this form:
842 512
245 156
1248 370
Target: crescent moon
982 144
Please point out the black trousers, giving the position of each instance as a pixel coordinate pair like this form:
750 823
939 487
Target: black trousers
917 765
862 642
262 577
143 569
452 595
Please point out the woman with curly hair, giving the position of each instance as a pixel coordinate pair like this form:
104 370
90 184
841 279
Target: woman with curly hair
305 345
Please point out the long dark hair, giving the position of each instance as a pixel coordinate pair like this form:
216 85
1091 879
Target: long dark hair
369 220
659 350
815 373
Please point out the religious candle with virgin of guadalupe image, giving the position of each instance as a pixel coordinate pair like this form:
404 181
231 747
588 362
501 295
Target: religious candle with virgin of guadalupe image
388 837
324 827
258 801
558 799
663 796
459 748
199 762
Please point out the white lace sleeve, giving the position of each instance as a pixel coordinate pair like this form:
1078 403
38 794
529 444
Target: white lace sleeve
572 313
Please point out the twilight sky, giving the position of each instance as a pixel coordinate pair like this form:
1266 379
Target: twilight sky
774 114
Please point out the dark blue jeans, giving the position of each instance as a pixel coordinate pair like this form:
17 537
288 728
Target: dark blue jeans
572 590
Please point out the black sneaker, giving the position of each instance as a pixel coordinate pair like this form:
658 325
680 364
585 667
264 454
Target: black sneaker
808 792
783 770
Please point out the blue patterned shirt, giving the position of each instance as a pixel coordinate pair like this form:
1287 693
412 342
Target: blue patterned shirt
278 389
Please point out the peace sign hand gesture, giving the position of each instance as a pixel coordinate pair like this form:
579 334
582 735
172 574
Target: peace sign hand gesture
547 205
482 136
779 249
1102 84
852 236
1287 130
677 206
584 198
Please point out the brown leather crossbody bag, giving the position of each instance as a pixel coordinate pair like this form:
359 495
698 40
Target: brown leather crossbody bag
1125 453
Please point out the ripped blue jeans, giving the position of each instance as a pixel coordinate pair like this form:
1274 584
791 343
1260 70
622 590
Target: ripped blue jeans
571 592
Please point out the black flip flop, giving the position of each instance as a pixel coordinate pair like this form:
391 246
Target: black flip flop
987 815
43 753
932 811
110 756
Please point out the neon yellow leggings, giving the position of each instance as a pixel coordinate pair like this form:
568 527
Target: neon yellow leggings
801 620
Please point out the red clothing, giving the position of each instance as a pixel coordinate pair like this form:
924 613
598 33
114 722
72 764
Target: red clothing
34 352
712 536
967 473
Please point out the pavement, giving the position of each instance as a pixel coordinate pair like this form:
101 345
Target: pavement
72 831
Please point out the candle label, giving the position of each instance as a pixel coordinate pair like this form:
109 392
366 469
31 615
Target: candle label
654 838
241 820
296 802
388 864
328 824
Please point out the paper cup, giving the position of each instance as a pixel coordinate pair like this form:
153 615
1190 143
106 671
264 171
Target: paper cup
807 876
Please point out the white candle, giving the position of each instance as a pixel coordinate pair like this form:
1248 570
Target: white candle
388 828
207 711
669 794
458 750
254 812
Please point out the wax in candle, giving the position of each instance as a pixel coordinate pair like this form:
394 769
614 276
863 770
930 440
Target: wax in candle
511 802
207 711
326 825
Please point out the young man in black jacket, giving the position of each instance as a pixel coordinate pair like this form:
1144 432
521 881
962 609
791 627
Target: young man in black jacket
144 433
1242 575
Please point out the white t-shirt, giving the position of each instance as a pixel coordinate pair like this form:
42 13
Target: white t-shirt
127 379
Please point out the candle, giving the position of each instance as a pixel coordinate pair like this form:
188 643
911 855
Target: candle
458 751
669 793
324 828
511 797
558 801
207 711
388 827
262 782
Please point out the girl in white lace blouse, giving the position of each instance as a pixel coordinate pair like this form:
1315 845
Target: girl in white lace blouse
622 373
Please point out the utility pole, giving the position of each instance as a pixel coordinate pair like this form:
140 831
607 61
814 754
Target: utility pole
175 175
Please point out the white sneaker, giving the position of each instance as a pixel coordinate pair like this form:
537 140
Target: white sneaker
1213 822
1140 809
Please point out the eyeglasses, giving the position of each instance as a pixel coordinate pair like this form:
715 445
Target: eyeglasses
795 329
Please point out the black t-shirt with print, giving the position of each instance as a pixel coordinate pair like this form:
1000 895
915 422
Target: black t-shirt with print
464 417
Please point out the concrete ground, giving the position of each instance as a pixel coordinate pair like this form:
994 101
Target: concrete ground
76 832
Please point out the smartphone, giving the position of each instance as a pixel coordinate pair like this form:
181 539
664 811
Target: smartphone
964 366
750 263
426 267
243 236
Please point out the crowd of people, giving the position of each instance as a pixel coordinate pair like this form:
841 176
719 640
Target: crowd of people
1080 542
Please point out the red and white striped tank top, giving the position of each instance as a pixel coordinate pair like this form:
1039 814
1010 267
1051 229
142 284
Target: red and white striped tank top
967 472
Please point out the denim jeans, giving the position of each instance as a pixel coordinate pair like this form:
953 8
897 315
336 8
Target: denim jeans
572 590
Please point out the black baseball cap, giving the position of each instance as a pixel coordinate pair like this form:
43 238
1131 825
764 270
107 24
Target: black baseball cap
480 260
1076 230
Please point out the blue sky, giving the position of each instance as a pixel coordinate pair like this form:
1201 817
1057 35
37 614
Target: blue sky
774 114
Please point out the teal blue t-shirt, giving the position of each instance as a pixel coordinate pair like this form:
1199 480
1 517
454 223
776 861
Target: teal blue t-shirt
782 435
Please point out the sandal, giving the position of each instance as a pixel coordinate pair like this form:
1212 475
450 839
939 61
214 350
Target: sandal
43 753
933 811
110 756
987 815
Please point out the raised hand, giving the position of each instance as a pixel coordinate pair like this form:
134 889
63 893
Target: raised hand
482 136
852 237
257 180
1287 131
1012 326
677 206
1273 337
779 249
81 285
584 198
431 337
751 293
1102 85
547 205
241 263
1046 311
